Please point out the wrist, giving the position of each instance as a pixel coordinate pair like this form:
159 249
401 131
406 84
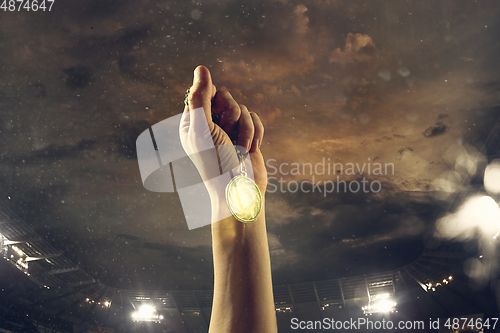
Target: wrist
216 188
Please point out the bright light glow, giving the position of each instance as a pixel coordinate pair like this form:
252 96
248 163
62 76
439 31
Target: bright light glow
17 250
384 306
22 264
3 246
466 162
492 177
284 309
477 213
465 159
19 258
146 312
433 285
449 182
383 303
478 218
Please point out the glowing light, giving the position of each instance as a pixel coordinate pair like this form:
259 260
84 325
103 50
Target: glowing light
449 182
433 285
325 306
13 254
23 265
465 159
146 312
492 177
17 250
383 303
385 306
466 162
3 246
478 212
284 309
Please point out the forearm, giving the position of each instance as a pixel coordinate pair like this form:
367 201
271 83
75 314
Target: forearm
243 297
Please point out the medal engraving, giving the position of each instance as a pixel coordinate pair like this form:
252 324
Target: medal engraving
244 199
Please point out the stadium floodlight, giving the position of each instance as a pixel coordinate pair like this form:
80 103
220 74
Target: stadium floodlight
382 303
3 246
14 254
147 312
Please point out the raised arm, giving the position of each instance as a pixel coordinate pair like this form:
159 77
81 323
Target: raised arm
243 298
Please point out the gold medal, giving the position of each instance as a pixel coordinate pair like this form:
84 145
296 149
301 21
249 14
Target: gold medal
243 196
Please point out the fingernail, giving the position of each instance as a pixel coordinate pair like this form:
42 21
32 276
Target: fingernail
197 74
257 144
248 145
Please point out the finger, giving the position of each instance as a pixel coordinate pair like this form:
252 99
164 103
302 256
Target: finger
201 93
227 110
259 132
245 129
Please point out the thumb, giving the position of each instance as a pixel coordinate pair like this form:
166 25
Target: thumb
201 93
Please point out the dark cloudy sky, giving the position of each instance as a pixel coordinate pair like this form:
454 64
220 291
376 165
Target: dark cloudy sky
413 83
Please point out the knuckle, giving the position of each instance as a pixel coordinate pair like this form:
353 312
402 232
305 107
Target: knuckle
225 94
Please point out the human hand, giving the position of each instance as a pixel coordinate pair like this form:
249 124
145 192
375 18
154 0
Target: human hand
227 122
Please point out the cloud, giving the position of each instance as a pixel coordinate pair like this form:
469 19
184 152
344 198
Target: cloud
301 20
358 47
315 98
64 151
333 147
314 228
278 48
77 77
403 151
436 130
126 138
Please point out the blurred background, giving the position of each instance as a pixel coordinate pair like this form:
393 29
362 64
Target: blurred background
401 96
